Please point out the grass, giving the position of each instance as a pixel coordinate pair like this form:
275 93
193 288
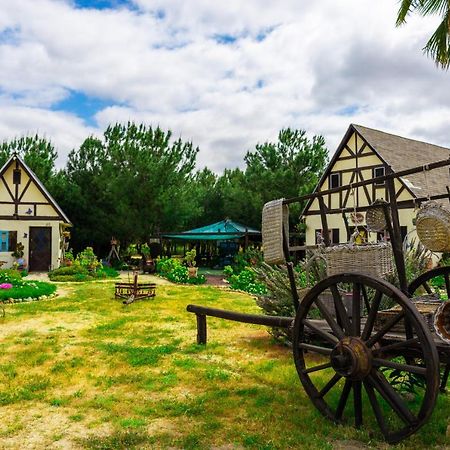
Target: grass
88 370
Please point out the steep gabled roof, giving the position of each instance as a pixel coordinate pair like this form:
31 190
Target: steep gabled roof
403 153
400 153
38 183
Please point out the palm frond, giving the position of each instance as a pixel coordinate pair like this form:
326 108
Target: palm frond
405 7
427 7
438 46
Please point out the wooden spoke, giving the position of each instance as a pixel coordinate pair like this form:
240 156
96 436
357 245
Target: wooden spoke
341 312
324 391
356 310
427 287
343 400
316 349
357 403
379 362
321 332
390 396
396 346
366 298
337 330
447 285
372 316
376 407
317 368
386 327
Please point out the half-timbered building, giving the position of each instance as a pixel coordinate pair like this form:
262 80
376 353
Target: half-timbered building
30 216
366 153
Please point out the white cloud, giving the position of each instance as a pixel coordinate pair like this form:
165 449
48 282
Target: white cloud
312 65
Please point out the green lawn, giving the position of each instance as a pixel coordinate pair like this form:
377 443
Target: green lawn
84 371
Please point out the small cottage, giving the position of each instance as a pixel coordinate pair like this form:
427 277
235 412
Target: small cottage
31 217
366 153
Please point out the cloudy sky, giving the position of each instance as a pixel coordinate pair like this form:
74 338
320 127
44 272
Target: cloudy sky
224 75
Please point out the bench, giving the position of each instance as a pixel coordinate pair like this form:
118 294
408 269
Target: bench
134 291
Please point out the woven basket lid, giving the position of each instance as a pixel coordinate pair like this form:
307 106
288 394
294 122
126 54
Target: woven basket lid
433 227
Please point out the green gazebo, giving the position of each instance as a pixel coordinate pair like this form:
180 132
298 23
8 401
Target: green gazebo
225 236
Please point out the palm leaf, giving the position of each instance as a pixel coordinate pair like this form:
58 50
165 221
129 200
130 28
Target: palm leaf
438 47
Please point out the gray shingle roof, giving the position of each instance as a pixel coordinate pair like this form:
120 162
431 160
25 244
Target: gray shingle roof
403 153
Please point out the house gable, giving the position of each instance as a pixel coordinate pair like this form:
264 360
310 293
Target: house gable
355 160
22 195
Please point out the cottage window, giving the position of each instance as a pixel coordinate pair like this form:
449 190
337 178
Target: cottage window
335 180
379 172
8 241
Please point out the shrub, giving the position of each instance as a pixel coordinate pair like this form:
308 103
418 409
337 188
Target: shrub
246 281
174 271
250 258
77 272
179 274
9 275
166 265
277 301
88 260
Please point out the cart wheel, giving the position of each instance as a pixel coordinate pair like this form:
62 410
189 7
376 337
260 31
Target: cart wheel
347 352
432 282
435 283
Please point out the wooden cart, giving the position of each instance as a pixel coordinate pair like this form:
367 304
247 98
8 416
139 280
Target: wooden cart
364 351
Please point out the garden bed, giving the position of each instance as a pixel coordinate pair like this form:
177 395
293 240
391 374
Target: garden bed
14 289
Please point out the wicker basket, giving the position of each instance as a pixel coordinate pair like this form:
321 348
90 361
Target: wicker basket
433 227
426 305
369 259
375 218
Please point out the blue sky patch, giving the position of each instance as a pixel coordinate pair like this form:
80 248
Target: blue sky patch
348 110
225 38
83 106
9 35
264 33
103 4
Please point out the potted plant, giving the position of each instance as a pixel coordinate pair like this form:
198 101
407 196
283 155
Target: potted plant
18 255
190 261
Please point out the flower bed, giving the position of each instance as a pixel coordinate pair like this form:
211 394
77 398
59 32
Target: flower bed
15 289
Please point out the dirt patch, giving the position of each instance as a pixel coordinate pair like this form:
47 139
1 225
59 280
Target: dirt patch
215 280
47 427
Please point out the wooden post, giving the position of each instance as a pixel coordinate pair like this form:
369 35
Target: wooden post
290 269
323 217
135 284
201 329
396 235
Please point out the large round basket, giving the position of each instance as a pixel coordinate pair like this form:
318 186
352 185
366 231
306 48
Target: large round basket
369 259
433 227
375 218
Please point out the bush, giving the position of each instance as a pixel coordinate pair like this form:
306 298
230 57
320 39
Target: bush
77 272
250 258
10 275
277 301
88 260
246 281
174 271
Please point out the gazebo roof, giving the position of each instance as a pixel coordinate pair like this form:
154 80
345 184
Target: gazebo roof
219 231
